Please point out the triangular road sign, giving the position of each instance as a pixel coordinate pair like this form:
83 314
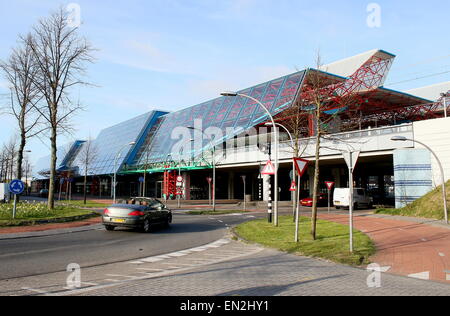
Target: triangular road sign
351 158
293 187
269 169
330 185
301 165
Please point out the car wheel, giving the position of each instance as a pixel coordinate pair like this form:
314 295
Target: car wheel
168 221
109 228
147 227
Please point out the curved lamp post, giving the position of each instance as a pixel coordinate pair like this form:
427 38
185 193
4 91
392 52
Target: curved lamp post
119 153
444 195
235 94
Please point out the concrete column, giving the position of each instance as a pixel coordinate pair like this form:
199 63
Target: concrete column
187 185
231 185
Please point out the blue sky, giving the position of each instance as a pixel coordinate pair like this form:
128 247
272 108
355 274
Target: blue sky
170 54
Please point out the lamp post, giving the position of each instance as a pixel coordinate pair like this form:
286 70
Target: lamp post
444 99
235 94
297 197
213 148
444 195
119 153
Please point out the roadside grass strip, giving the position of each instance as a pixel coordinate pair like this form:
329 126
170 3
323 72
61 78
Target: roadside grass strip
29 214
332 242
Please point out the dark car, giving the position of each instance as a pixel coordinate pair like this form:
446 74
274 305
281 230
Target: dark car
322 200
43 193
142 213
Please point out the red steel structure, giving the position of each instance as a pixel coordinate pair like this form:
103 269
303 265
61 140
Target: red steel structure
360 100
170 183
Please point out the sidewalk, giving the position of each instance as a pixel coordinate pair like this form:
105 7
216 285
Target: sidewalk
409 248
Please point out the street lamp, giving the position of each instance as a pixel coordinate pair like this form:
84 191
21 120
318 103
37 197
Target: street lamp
444 196
236 94
119 153
213 165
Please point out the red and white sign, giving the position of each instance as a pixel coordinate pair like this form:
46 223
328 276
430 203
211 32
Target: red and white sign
330 185
293 187
179 179
301 165
269 169
209 179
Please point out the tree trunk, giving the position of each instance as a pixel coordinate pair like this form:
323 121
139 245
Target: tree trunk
51 187
316 189
85 187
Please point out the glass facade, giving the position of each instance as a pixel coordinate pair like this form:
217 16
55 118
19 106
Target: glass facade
235 114
111 140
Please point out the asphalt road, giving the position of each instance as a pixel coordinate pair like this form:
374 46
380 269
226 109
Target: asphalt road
42 255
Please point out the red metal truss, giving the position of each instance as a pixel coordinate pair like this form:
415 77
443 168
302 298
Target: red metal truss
170 183
359 100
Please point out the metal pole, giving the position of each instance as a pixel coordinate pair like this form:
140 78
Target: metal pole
214 180
275 132
350 172
270 202
329 202
293 164
245 200
15 206
297 213
444 193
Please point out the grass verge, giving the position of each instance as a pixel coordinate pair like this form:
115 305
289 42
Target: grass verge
220 212
77 203
332 240
29 214
430 206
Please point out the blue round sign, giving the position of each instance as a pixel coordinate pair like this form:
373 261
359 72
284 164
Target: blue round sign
16 187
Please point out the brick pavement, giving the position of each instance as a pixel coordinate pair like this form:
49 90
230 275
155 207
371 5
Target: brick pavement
407 247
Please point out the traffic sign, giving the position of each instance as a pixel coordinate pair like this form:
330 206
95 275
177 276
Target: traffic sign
141 179
179 179
16 187
209 179
330 185
351 158
293 187
301 165
269 169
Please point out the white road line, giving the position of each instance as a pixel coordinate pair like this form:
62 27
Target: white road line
89 283
441 254
111 280
154 270
420 276
121 276
182 253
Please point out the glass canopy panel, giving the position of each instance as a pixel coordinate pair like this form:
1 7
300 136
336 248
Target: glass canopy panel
111 140
224 112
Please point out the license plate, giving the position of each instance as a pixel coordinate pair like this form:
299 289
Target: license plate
118 220
337 203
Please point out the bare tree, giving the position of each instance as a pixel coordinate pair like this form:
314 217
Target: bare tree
19 71
86 157
61 56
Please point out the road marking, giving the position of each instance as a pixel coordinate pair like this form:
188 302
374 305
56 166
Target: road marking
420 276
424 239
121 276
89 283
441 254
381 269
181 253
34 290
447 275
154 270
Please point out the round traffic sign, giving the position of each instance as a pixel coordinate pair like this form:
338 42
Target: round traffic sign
16 187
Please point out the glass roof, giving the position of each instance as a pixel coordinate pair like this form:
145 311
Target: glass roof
111 140
238 113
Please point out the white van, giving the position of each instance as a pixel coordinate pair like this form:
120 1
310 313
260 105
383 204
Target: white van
4 192
360 198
